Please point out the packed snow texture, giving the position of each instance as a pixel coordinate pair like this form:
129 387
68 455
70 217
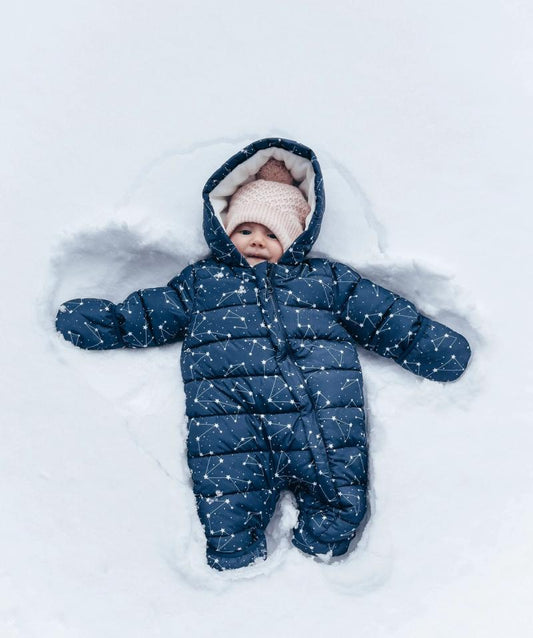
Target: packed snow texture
115 116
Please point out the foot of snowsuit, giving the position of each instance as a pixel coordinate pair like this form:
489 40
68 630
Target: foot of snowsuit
272 378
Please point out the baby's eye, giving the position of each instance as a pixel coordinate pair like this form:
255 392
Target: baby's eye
272 236
246 232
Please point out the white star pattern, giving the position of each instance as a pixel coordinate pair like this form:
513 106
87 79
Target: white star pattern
273 384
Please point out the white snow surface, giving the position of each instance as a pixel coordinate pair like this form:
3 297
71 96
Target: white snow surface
113 116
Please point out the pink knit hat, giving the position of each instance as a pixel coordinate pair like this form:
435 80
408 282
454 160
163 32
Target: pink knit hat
271 200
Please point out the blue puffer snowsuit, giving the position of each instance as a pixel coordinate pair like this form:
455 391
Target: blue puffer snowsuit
273 383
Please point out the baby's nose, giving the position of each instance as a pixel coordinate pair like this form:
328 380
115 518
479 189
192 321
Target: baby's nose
257 240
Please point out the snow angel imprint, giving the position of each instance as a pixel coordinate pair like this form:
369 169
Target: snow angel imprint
273 384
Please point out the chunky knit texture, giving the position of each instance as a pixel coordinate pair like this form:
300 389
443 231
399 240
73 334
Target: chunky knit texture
275 171
271 200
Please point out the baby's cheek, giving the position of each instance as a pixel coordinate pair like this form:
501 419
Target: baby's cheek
236 241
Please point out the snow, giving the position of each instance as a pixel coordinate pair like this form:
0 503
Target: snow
113 116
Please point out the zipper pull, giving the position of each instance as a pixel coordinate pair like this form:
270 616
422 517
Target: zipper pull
267 277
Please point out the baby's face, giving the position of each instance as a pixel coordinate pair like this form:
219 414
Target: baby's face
257 243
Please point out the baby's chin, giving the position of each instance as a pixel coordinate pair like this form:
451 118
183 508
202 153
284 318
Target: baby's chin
253 261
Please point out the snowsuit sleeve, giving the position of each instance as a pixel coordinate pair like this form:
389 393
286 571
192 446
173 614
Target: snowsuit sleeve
149 317
381 321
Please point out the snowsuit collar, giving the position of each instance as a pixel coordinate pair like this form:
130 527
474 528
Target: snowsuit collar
221 185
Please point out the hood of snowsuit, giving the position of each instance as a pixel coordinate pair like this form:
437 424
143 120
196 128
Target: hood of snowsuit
242 168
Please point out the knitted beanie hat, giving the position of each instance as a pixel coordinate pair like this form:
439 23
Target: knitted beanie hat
271 200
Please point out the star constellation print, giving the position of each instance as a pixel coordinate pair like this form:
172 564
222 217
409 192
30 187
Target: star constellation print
273 383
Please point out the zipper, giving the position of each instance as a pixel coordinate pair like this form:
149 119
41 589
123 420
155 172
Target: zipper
300 380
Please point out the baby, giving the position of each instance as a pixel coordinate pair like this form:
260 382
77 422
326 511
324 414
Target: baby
273 385
257 243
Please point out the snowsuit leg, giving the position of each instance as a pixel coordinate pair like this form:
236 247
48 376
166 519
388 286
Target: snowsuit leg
235 497
328 524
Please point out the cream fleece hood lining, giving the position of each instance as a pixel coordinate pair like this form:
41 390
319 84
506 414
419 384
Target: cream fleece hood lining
301 169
